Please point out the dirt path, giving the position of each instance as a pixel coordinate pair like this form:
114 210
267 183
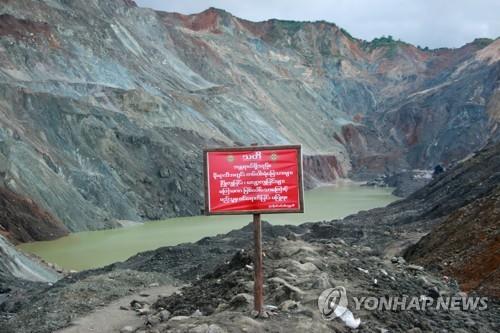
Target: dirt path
111 318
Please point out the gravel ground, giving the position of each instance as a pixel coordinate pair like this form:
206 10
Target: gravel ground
361 253
296 273
57 306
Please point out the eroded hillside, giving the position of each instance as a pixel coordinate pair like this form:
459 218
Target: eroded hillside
104 106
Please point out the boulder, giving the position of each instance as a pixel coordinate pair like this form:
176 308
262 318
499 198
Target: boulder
164 315
179 318
164 172
284 290
153 320
213 328
289 305
241 302
127 329
322 282
203 328
415 268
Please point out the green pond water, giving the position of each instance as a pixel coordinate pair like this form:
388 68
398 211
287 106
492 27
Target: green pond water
93 249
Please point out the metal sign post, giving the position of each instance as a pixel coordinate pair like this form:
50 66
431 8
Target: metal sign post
254 180
258 287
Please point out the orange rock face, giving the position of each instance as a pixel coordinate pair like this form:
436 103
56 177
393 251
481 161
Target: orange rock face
21 220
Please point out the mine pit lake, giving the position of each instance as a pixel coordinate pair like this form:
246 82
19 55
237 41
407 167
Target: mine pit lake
85 250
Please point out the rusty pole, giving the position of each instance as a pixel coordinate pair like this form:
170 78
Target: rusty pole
258 266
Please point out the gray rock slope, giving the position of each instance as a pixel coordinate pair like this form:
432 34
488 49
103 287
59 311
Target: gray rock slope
105 106
14 264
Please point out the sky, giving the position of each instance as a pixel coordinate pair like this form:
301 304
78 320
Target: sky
432 23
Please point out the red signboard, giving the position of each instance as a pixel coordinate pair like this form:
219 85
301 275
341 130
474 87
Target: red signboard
249 180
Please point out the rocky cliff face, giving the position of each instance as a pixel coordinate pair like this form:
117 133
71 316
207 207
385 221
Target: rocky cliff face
15 265
104 106
466 244
21 220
